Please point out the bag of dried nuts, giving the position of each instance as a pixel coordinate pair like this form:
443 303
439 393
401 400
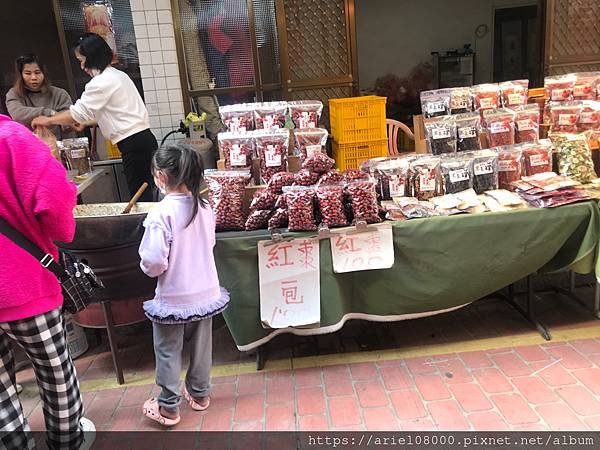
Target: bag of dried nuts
363 196
269 115
300 202
331 205
308 141
226 197
272 149
237 149
237 118
305 113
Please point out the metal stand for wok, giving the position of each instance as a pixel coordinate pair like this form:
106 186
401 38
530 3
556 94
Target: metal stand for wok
112 339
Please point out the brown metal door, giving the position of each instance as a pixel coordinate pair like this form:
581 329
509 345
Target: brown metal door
317 41
572 36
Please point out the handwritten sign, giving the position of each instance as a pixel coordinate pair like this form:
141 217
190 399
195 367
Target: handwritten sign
289 283
370 250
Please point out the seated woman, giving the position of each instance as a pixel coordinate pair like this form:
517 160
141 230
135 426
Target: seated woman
33 95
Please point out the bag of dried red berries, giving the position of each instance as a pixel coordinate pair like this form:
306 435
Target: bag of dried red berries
560 88
237 118
527 123
237 149
589 119
586 86
300 208
514 93
499 127
486 96
308 141
564 117
305 113
226 191
510 166
270 115
537 157
272 149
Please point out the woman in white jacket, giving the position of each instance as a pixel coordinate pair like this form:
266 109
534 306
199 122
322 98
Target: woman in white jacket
112 101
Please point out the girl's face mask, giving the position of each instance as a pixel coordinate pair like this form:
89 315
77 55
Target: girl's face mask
158 180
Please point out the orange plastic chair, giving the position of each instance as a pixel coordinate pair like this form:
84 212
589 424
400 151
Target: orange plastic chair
393 126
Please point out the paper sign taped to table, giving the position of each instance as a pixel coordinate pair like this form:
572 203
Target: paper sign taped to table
368 250
290 294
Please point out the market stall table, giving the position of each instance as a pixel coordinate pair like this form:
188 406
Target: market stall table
441 264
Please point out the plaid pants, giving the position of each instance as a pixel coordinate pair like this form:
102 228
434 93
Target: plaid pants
44 340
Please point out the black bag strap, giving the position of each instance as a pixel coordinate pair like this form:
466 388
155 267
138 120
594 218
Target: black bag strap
44 258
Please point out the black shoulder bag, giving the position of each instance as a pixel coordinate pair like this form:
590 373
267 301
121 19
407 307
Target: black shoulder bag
76 278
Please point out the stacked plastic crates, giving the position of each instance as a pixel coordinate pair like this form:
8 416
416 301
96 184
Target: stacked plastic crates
358 129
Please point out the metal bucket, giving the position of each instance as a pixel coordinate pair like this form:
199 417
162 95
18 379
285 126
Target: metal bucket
109 241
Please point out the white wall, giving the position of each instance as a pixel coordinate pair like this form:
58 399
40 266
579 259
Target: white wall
393 36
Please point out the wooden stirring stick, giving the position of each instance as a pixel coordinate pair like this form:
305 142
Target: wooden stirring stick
135 198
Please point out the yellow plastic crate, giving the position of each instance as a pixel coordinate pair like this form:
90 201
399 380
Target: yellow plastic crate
357 119
112 151
350 156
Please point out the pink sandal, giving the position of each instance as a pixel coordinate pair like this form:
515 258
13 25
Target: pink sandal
151 410
193 403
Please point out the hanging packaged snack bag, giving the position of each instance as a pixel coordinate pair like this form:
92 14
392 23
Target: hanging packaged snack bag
527 123
305 113
272 149
468 127
440 133
514 93
500 127
435 103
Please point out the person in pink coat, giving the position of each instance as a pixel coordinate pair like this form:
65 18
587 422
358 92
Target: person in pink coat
37 199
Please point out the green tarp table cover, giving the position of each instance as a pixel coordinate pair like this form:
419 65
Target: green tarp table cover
441 263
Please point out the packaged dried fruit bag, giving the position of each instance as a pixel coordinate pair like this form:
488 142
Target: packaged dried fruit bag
308 141
486 96
237 149
485 171
574 156
527 123
237 118
333 176
510 167
270 115
586 86
305 113
331 205
514 93
305 177
468 127
300 204
564 117
263 199
589 119
435 103
457 173
363 196
560 88
392 177
279 180
425 178
440 133
318 163
272 149
279 219
537 157
460 100
258 220
500 127
226 197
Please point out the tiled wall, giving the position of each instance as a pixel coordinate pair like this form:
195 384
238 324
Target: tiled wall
159 68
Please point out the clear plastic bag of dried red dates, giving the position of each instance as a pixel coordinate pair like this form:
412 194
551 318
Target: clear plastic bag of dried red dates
510 166
457 173
226 197
279 180
279 219
485 170
318 163
258 220
272 149
237 149
468 127
237 118
589 119
527 123
305 177
486 96
460 100
564 117
300 207
263 199
333 176
499 127
331 205
537 157
308 141
425 178
270 115
560 88
586 86
514 93
363 197
435 103
440 133
305 113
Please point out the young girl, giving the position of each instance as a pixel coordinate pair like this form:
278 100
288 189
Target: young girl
177 247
